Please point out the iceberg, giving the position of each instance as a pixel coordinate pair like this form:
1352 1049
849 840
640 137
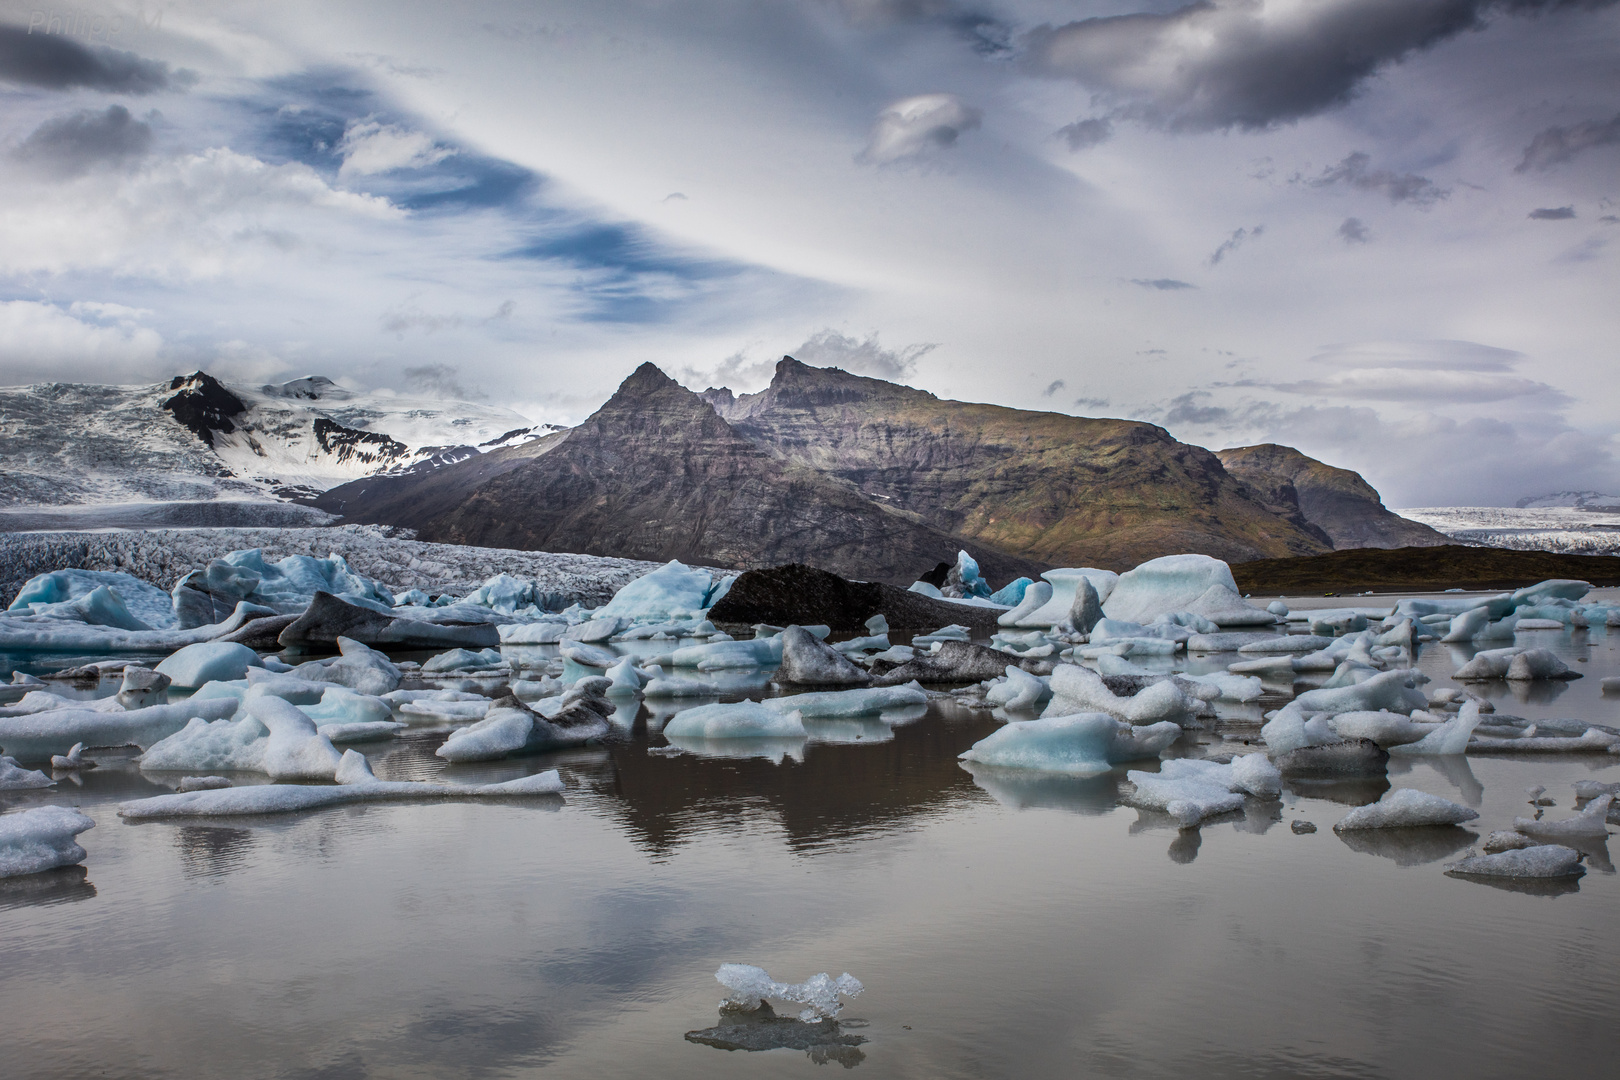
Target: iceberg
203 746
1049 603
1405 809
209 661
41 839
356 783
13 777
741 720
808 661
1191 790
1019 690
359 667
285 586
671 591
1590 824
45 633
142 687
464 660
1077 689
39 736
750 986
1171 583
719 655
1516 664
840 704
1450 737
1077 745
531 633
1541 861
511 727
144 602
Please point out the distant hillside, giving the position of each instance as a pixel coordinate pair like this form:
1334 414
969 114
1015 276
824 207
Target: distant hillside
1338 502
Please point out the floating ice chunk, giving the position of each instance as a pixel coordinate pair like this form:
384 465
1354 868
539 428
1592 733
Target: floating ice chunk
1514 663
1190 790
1034 599
1507 840
361 731
1540 861
1238 688
465 660
597 629
625 677
1450 737
1011 594
510 727
340 705
535 633
41 839
460 709
295 748
1590 824
142 687
1107 631
1406 808
39 736
863 701
1350 757
1383 727
1077 689
1390 690
750 986
360 668
1020 690
1181 583
592 657
660 685
1591 789
720 655
227 745
14 777
1134 743
740 720
670 591
208 661
1594 739
1277 607
807 661
1076 744
1278 644
1053 601
139 601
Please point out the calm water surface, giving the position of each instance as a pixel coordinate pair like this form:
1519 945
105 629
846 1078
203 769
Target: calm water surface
1004 925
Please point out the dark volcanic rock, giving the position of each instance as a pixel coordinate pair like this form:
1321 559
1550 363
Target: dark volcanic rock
1346 508
329 618
809 597
203 405
657 474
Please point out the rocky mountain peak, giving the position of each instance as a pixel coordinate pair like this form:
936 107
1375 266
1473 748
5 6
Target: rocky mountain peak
203 405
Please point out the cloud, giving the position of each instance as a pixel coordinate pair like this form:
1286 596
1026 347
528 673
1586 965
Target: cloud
1191 408
1429 373
829 348
1253 64
75 144
1355 231
1164 284
57 62
369 147
1552 213
1053 387
1557 145
441 381
1091 403
1083 134
917 127
1355 172
86 339
1231 243
982 29
1434 355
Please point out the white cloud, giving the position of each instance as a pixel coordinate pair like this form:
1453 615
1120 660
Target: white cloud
916 127
40 341
369 147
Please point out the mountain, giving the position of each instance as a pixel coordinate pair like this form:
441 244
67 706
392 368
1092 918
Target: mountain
655 473
1338 502
1575 500
1064 490
198 439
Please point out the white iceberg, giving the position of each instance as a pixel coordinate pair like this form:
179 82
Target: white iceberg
41 839
1173 583
1404 809
750 987
837 704
1190 790
13 777
145 602
739 720
1590 824
1450 737
465 660
671 591
1019 690
1049 603
1077 689
39 736
209 661
1541 861
1077 745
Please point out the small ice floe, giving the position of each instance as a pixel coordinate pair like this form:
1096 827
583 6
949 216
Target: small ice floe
209 661
673 591
1516 664
1506 840
1077 689
355 783
72 761
202 783
1539 861
511 727
464 660
1191 790
1404 809
721 655
1450 737
38 736
738 720
1535 792
1018 690
359 667
41 839
1611 684
751 987
1076 745
1590 824
1528 741
808 661
142 687
1592 789
862 701
13 777
445 706
361 731
1300 828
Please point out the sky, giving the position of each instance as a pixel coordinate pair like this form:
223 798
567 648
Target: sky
1386 232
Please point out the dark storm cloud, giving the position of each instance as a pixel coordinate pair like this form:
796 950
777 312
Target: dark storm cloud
1083 134
1254 63
1553 213
1164 283
71 145
1355 231
1356 171
1557 145
57 62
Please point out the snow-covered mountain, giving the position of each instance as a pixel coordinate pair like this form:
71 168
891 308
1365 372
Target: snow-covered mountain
1580 500
197 438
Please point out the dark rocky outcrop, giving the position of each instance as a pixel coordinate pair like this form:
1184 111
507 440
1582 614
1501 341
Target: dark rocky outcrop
203 406
1344 507
807 596
1066 490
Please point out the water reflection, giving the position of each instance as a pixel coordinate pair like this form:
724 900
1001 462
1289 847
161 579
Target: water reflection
776 750
824 1041
1349 791
210 851
1549 887
1023 789
1455 769
60 886
1411 846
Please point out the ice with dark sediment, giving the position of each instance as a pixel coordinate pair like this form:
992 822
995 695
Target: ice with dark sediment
1519 664
808 661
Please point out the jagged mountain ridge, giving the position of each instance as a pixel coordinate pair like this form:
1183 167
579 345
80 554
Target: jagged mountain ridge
1339 502
1066 490
196 438
655 473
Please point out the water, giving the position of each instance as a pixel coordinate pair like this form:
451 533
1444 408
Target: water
1004 926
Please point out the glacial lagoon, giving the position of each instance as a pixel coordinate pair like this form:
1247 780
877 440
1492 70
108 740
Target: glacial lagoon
1004 924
